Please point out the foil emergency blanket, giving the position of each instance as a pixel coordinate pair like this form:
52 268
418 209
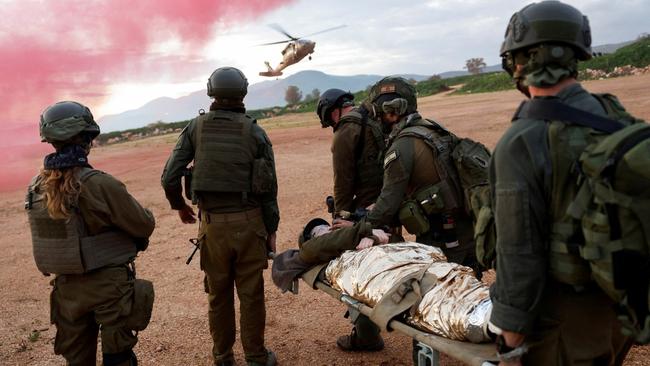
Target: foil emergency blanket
457 306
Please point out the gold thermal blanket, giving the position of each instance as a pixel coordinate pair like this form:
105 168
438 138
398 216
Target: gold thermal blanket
456 306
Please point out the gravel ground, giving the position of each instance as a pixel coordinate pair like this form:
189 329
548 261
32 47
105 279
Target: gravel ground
300 329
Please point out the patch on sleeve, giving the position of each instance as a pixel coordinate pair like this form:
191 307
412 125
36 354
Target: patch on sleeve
390 158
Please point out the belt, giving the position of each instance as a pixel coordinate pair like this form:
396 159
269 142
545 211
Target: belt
231 216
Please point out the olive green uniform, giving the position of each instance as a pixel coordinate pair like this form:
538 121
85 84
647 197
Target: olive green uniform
357 158
410 165
103 299
563 325
234 227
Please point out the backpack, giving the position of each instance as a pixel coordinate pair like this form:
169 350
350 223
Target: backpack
468 168
604 236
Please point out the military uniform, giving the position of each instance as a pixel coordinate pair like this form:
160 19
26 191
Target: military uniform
81 303
411 165
357 158
563 325
226 147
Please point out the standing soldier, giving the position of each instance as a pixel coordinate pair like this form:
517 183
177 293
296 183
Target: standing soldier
421 187
357 155
546 308
87 229
357 152
234 184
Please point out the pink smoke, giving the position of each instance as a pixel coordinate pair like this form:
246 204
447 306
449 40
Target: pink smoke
76 49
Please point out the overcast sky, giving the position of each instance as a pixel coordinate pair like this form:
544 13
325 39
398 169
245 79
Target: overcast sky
116 55
384 37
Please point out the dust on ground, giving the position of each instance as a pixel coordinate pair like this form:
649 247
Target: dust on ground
300 329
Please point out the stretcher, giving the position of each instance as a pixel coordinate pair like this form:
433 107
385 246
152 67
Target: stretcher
427 347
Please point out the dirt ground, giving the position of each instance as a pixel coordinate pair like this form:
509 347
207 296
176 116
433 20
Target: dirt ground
300 329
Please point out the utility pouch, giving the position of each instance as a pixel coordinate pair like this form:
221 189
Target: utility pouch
143 297
413 217
263 176
430 199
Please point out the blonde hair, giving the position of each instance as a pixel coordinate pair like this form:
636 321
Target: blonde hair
61 191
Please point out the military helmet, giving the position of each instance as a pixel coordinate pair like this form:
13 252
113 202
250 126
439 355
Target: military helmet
306 232
330 99
396 86
62 121
548 22
227 82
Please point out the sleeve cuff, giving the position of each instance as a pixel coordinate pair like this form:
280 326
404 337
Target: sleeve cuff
511 319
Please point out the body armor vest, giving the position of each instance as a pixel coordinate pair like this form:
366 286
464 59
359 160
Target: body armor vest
62 246
224 153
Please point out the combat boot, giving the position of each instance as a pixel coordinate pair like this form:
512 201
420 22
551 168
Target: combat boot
271 360
354 343
225 363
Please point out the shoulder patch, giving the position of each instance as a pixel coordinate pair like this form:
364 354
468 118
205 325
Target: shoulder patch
390 158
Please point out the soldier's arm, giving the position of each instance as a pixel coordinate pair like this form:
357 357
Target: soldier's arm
398 165
179 159
344 162
106 203
269 201
519 174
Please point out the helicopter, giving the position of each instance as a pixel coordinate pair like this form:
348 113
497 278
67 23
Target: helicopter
297 48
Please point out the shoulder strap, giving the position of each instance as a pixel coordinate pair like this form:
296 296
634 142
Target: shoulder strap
553 109
358 150
86 173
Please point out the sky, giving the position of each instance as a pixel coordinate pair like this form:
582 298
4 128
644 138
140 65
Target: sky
115 55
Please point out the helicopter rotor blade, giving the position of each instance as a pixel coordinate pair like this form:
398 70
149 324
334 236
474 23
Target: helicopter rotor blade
325 30
278 28
270 43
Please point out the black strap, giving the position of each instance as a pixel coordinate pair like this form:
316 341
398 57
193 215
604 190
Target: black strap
555 110
359 148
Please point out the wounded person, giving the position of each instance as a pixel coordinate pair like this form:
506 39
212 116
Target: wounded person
319 243
444 298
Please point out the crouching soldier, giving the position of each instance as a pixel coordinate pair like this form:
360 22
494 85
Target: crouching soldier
87 230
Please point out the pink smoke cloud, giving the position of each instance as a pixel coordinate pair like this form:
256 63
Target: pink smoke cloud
76 49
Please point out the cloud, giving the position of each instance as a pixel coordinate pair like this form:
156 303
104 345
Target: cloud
76 49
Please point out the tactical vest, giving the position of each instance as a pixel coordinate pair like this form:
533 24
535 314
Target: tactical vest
370 168
442 143
63 246
224 152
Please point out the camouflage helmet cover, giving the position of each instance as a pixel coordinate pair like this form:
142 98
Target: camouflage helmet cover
394 85
227 82
62 121
548 22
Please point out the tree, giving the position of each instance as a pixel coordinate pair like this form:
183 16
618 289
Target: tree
314 95
475 65
293 95
434 77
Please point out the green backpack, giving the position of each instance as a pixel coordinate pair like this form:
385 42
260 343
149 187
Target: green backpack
601 218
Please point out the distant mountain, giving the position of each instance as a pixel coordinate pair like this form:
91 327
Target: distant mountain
264 94
610 48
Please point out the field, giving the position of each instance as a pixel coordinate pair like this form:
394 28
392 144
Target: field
300 329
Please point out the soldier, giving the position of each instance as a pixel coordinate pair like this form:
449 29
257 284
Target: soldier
357 153
418 164
234 184
542 318
87 229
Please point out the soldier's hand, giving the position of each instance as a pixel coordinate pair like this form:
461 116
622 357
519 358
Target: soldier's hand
187 215
270 242
381 236
365 243
339 223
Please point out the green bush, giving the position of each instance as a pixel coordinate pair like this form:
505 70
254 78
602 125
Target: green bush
636 54
484 83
